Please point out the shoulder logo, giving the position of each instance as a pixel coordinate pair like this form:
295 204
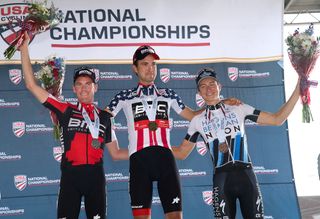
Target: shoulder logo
18 128
233 73
15 76
165 75
20 181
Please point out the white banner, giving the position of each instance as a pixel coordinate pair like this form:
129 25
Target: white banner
180 30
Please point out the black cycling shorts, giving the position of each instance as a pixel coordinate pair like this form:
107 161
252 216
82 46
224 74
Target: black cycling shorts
151 164
87 181
236 181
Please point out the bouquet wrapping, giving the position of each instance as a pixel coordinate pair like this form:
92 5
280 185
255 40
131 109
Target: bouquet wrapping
40 19
303 51
51 76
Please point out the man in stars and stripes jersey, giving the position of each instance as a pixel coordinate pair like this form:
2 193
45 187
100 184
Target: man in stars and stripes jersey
147 110
222 128
85 131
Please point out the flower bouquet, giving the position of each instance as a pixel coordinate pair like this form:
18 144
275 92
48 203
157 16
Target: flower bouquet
303 51
39 19
51 76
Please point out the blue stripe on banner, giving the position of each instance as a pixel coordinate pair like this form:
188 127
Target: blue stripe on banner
236 146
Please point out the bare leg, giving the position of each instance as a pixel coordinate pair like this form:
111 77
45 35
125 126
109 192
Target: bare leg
174 215
142 217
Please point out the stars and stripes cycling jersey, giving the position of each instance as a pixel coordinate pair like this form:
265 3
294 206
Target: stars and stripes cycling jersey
131 101
233 120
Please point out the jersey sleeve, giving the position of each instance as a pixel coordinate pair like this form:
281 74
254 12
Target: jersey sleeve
192 134
250 112
110 133
55 105
177 103
117 102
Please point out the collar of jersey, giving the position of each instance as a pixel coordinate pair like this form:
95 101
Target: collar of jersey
147 90
216 106
89 107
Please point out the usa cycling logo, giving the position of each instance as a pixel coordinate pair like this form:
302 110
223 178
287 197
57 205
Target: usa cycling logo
20 181
57 153
233 73
207 197
199 100
8 13
18 128
15 76
201 148
165 74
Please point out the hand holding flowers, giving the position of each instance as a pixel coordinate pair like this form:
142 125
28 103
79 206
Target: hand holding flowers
303 51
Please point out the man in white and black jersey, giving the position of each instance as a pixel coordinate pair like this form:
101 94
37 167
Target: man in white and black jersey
147 110
222 128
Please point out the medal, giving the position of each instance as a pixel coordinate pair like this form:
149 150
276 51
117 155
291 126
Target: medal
153 126
92 125
151 111
223 147
95 143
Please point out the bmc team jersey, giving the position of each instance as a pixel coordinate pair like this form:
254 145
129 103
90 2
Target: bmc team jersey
75 135
159 101
229 119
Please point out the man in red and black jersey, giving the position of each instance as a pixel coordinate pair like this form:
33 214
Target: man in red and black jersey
85 130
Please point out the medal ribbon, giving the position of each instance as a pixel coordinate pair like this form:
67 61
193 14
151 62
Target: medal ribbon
219 126
93 126
151 112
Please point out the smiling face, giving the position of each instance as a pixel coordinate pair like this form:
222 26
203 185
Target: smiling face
146 70
209 89
84 88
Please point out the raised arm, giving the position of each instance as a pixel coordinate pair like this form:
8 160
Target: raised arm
279 117
31 83
182 151
116 152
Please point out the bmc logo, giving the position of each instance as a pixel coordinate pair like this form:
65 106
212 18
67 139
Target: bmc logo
78 123
161 108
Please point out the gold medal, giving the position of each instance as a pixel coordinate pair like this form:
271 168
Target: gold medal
153 126
95 143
